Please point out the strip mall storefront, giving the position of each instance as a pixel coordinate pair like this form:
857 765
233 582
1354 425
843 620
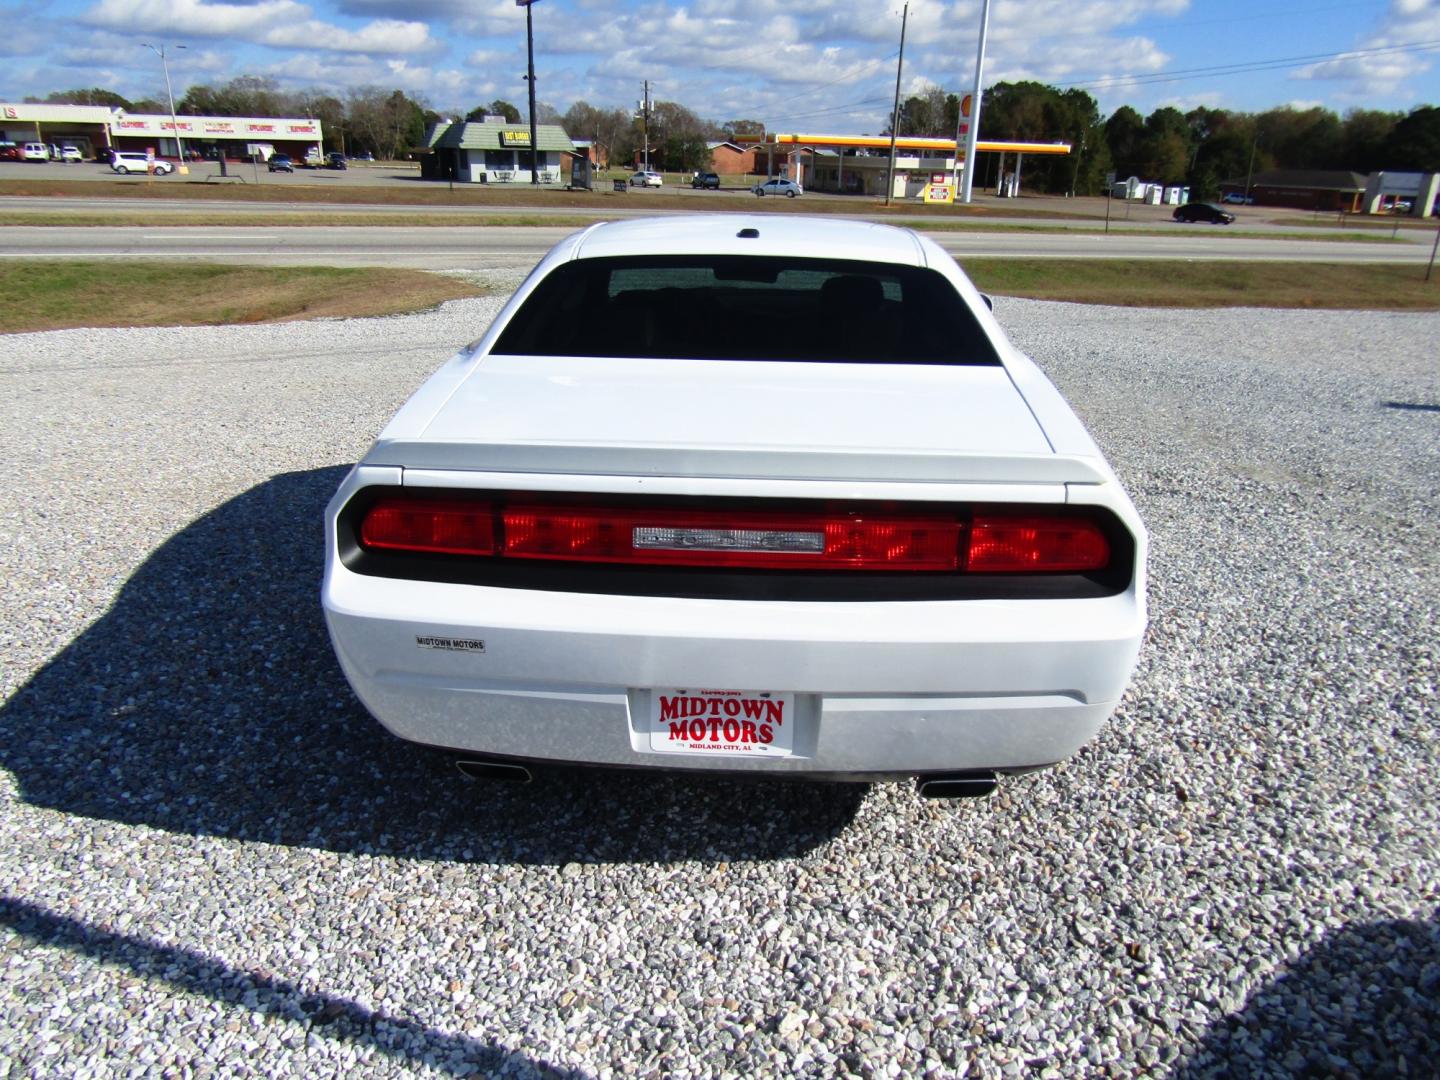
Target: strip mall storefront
97 129
239 138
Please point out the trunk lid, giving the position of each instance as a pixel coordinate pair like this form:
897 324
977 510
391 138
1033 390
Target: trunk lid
736 419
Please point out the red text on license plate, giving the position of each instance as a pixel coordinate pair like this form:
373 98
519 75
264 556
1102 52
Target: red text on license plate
732 722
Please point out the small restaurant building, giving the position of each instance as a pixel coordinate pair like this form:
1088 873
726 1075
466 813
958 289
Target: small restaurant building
493 151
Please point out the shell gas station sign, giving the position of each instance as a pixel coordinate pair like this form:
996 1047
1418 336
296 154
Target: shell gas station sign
939 189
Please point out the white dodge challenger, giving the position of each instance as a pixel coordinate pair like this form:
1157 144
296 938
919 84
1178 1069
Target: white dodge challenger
740 493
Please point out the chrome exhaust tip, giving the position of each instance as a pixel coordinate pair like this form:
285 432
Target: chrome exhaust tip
961 786
493 770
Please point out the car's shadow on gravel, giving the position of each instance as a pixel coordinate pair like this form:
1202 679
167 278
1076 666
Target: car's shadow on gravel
207 701
1363 1002
269 998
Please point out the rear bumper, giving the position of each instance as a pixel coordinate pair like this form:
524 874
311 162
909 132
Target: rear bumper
879 688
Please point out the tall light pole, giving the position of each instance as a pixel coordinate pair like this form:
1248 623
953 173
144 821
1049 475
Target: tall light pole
1250 169
973 135
530 78
895 115
174 124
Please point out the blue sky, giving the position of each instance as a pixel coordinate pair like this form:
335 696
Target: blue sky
823 66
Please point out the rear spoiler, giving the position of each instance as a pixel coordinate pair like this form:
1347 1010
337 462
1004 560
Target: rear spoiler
734 462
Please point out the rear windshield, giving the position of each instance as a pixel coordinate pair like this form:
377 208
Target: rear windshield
724 308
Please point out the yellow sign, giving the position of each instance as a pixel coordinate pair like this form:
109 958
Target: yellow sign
939 193
514 138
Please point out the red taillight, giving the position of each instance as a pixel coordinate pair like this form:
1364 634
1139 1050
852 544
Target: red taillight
724 538
445 526
1035 544
768 540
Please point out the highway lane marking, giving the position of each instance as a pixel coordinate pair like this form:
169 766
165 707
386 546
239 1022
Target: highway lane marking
192 236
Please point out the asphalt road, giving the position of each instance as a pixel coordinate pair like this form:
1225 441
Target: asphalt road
492 247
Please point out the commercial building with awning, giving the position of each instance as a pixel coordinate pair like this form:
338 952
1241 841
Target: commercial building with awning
97 129
86 127
859 164
492 151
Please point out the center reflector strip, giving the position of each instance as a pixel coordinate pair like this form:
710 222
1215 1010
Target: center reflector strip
655 537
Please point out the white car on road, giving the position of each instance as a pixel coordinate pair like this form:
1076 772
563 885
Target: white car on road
132 161
778 186
646 178
741 494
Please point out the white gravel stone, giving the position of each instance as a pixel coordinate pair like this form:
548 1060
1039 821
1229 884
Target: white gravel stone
212 862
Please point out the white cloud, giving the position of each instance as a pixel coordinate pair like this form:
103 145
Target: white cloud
385 36
185 18
280 23
490 58
1367 73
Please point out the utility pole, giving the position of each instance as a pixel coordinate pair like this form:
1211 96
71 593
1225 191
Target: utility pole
530 78
1250 169
895 115
645 123
972 137
174 124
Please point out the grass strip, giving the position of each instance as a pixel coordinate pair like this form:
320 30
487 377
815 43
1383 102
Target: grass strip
1172 284
50 295
53 295
242 219
431 193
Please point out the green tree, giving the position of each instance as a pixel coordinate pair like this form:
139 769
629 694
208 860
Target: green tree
606 127
1363 134
732 128
686 153
1415 143
930 114
498 107
1035 112
247 95
92 96
1124 135
329 110
1300 138
672 127
387 121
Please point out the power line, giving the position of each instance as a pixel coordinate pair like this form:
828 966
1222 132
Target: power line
833 111
1182 74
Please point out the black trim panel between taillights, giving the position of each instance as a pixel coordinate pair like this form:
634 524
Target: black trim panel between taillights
733 583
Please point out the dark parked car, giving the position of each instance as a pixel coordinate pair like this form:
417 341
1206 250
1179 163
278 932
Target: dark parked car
705 180
1203 211
335 160
281 163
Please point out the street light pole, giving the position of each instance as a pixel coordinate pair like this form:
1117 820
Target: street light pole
174 124
972 137
1250 169
895 115
530 78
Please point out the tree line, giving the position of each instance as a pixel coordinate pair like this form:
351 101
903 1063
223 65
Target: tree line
1201 148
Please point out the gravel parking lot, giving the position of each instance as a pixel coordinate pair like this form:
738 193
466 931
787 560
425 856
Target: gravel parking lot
214 863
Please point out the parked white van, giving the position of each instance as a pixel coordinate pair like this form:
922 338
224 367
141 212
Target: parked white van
35 151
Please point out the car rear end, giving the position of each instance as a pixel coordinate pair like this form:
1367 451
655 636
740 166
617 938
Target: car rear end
823 555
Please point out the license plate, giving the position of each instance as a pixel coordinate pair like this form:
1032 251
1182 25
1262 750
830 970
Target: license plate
732 723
